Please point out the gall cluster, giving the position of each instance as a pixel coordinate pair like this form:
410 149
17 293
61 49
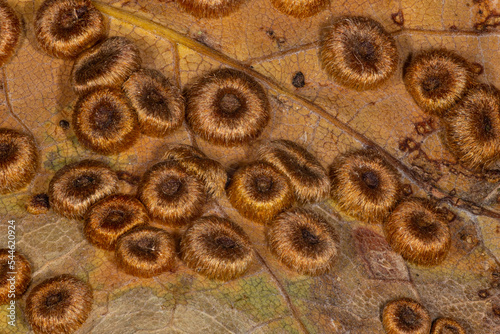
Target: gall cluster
172 193
366 187
60 304
118 99
282 174
444 84
357 53
405 315
164 222
266 190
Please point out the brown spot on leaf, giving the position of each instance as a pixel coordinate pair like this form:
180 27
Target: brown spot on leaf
425 127
407 190
398 18
467 239
483 294
278 39
64 124
299 80
202 37
408 144
496 310
492 20
450 215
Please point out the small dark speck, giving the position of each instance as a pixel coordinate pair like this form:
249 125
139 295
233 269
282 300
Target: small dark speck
398 18
480 12
299 80
41 200
407 190
483 294
477 68
64 124
495 274
496 310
